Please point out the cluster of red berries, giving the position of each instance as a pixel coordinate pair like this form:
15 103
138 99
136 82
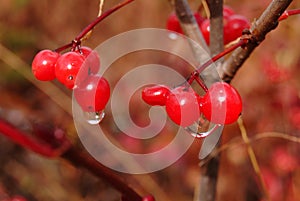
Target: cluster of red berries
221 104
91 91
233 25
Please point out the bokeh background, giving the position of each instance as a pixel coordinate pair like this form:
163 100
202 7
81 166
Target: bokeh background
268 83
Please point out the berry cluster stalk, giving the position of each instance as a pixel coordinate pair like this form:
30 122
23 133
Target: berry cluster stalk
92 25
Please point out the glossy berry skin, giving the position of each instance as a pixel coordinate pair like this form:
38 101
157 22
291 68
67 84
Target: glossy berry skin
222 104
199 18
155 95
205 29
67 68
43 65
148 198
93 93
234 26
182 106
173 23
92 61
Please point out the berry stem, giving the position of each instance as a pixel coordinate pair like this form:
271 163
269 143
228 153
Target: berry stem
215 58
91 26
25 141
195 74
100 18
288 13
62 48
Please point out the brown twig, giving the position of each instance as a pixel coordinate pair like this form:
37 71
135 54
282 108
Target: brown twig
260 28
79 158
209 171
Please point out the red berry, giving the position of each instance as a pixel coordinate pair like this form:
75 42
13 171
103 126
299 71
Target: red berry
283 161
93 93
234 26
148 198
43 65
227 11
205 29
67 68
222 104
199 18
92 61
173 23
182 106
155 95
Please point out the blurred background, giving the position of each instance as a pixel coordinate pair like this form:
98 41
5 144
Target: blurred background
268 83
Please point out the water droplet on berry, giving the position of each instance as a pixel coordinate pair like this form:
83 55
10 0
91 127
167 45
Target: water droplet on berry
70 77
94 118
202 128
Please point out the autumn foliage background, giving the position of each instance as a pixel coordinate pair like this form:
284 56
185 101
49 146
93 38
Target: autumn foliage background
268 83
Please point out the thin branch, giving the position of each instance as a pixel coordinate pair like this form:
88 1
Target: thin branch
29 143
101 3
252 157
216 26
79 158
288 13
54 93
260 28
237 141
100 18
87 30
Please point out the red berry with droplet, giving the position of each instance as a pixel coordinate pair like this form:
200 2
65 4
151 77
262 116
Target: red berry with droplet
222 104
234 26
155 95
43 65
67 68
182 106
93 93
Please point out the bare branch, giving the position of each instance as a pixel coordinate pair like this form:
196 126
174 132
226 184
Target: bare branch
260 28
